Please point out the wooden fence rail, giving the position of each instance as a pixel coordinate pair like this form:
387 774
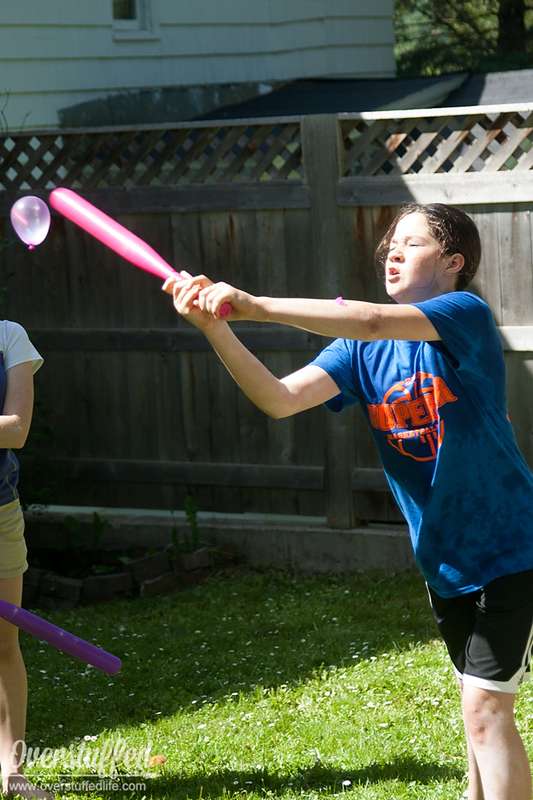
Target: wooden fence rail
133 409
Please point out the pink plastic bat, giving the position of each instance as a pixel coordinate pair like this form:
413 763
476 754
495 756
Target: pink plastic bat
115 236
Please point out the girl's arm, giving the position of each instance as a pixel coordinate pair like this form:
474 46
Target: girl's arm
17 413
308 387
351 319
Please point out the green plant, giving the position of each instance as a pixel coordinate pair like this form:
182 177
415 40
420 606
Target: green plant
103 569
191 512
100 525
187 542
95 530
72 525
175 539
434 38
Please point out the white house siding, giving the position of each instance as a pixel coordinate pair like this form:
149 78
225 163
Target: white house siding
57 53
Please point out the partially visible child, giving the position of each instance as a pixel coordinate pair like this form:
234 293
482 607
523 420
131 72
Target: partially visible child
19 360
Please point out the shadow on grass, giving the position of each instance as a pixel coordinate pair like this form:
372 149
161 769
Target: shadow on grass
233 635
320 777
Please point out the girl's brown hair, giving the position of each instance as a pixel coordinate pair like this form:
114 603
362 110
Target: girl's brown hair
454 230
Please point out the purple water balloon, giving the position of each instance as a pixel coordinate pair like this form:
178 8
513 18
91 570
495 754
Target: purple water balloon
30 217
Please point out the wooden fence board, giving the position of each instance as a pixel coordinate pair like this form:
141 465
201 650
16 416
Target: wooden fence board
515 242
186 242
487 281
303 278
183 337
520 391
271 279
456 189
224 473
322 148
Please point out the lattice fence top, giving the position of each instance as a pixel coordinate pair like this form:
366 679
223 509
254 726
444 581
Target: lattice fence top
481 141
436 141
151 157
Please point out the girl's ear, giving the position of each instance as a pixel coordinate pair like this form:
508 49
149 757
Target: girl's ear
455 263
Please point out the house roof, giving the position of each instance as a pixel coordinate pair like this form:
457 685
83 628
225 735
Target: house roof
330 96
493 88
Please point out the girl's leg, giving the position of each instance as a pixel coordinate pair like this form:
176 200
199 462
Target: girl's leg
475 788
455 618
498 749
13 701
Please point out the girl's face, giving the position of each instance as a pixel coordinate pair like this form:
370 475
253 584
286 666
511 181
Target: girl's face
415 268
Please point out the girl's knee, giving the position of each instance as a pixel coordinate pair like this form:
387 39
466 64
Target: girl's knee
486 713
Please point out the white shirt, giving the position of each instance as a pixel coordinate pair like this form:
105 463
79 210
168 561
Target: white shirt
16 347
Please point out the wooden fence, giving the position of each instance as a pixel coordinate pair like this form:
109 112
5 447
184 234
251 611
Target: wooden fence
134 410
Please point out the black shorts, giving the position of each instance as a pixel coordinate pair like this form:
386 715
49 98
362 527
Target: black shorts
489 633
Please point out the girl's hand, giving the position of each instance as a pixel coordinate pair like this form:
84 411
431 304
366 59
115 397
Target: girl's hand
216 298
184 289
200 300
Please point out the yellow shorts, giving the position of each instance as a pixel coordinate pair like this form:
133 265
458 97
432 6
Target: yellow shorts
12 544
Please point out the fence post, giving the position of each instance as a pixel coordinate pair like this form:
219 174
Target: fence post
322 149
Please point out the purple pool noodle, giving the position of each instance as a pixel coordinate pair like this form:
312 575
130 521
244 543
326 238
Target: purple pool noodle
59 638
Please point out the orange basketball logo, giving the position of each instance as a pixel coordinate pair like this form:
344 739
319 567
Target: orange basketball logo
410 414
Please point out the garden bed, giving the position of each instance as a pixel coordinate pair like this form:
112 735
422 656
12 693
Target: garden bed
66 579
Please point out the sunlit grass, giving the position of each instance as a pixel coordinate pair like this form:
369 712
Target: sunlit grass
262 686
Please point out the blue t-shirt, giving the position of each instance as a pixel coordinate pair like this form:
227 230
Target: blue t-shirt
9 465
438 414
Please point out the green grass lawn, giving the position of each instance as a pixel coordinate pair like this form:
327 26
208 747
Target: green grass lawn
261 686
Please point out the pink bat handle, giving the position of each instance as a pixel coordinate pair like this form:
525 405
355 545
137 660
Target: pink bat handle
59 638
114 235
